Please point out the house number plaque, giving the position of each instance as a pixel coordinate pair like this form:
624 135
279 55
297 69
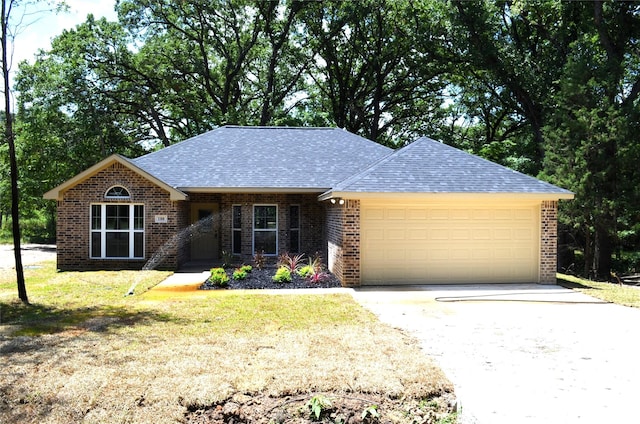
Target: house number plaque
161 219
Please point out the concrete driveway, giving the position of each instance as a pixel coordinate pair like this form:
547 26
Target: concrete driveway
523 353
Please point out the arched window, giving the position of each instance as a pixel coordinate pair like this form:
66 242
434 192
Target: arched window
117 192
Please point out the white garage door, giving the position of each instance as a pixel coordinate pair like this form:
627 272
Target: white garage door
449 243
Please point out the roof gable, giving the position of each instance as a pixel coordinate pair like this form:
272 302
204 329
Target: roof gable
428 166
56 193
263 158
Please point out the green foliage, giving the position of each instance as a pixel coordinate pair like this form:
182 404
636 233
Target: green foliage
548 88
315 272
305 271
283 275
227 258
246 268
219 277
239 274
370 413
291 262
317 405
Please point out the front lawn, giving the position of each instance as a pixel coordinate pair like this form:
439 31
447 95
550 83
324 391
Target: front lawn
614 293
85 352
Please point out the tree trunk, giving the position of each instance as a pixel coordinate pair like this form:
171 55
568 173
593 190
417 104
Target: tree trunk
22 290
604 252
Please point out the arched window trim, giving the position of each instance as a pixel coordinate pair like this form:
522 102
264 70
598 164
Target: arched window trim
124 194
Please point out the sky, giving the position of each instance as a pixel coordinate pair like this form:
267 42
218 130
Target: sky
38 29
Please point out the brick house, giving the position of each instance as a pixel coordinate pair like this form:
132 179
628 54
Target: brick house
425 213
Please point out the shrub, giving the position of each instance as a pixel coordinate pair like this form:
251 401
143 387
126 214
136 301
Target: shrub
246 268
239 274
219 277
227 259
283 275
316 262
259 259
318 277
306 271
316 274
293 263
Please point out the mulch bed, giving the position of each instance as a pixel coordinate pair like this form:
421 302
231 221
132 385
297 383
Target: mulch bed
262 279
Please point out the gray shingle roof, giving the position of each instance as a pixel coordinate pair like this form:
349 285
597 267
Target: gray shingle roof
428 166
232 157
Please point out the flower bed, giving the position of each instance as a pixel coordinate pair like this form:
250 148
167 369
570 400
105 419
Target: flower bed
263 279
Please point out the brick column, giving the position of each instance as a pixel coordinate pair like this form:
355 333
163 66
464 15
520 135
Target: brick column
548 241
351 244
343 236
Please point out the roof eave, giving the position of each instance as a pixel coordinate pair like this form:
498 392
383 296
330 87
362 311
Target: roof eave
564 195
269 190
57 192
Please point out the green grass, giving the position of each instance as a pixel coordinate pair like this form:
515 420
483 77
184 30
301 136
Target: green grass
85 352
614 293
63 300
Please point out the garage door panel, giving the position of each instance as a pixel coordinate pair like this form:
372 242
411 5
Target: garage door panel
525 234
395 234
482 214
438 213
418 245
463 214
482 234
418 234
417 214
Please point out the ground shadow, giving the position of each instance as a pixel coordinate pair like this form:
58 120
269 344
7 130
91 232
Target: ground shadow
575 285
35 320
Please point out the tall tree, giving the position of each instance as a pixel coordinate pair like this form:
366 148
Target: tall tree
513 52
376 65
592 143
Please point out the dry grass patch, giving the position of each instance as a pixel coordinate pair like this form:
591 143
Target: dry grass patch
154 358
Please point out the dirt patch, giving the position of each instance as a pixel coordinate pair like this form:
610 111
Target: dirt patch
337 408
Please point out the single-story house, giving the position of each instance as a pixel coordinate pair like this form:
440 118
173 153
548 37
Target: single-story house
425 213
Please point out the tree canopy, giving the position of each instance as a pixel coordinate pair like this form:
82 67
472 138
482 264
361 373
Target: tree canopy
549 88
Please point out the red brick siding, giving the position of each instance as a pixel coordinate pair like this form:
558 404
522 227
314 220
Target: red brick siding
548 241
74 212
343 234
312 224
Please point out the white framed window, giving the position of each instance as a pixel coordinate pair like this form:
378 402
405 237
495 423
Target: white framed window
265 229
117 192
236 229
117 231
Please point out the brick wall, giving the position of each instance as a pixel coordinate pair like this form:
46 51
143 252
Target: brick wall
74 212
167 244
548 242
343 234
312 223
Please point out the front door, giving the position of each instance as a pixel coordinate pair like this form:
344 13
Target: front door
204 239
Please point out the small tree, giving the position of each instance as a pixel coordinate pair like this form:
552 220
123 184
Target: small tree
7 5
8 34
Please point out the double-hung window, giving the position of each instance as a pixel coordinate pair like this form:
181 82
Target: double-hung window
117 231
236 230
265 229
294 228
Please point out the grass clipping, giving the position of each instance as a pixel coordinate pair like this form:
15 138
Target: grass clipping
163 357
